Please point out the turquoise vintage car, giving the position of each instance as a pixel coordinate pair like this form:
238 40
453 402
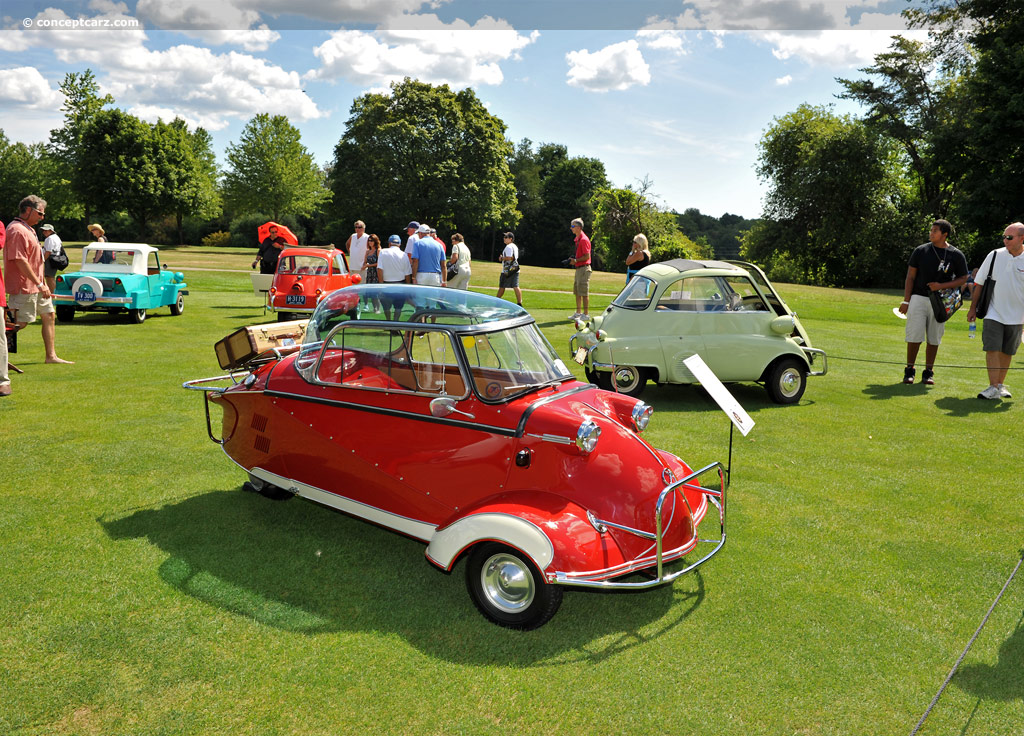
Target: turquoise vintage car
725 311
119 276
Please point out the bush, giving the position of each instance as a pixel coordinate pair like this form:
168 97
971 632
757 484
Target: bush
218 239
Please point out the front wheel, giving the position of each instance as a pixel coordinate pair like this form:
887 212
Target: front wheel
65 312
629 380
179 306
138 316
787 381
508 588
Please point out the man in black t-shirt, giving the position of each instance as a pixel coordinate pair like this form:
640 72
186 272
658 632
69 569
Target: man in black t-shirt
933 266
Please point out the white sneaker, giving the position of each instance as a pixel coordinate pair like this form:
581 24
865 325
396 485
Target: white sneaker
575 316
1004 392
585 317
992 392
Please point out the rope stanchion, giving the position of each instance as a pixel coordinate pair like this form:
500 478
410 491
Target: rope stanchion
903 362
968 647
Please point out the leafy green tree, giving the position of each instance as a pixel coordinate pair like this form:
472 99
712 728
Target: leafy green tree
569 190
23 171
270 169
82 102
722 234
187 165
120 167
427 153
836 200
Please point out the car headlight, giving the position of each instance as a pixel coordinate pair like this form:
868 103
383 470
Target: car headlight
642 416
587 436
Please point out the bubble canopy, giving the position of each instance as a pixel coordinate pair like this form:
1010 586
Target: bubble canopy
406 303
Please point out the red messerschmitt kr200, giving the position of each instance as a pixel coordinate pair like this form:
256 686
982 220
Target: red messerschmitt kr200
539 480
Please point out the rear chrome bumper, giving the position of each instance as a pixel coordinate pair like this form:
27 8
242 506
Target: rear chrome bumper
656 561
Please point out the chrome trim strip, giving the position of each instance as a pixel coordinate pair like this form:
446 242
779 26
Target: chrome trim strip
552 438
62 300
521 429
410 527
395 413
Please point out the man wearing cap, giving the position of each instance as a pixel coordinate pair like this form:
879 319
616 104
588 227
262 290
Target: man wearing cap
510 268
23 265
393 267
427 258
51 247
411 230
581 262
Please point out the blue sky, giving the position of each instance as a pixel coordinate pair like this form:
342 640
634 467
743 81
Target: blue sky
679 92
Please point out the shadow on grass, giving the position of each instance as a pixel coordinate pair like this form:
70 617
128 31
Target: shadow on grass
303 568
891 390
1001 681
956 406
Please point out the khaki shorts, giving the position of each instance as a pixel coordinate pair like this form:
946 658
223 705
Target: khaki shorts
921 322
27 307
581 284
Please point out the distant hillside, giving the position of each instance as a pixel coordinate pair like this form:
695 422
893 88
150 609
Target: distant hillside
721 233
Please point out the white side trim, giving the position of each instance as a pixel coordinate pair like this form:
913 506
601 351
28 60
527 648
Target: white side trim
513 530
411 527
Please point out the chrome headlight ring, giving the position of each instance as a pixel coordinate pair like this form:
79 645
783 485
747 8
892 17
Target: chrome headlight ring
642 416
587 436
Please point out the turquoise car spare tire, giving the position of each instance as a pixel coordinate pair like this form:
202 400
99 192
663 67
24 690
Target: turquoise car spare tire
86 290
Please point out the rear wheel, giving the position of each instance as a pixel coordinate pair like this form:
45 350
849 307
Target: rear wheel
260 486
65 312
179 306
138 316
787 381
508 588
630 380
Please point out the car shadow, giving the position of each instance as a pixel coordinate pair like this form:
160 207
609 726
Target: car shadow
1001 681
301 567
890 390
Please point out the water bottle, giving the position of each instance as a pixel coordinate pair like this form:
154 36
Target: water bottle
972 329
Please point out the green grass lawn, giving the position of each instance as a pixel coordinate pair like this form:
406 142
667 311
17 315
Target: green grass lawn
870 527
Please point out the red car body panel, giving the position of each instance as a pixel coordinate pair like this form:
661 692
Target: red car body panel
305 276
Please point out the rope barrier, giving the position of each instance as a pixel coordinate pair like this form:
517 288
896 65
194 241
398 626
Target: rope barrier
968 647
903 362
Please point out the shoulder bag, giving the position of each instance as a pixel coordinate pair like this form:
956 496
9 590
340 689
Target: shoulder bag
987 289
59 260
945 302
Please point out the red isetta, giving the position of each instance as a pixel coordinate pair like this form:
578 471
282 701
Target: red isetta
304 276
538 480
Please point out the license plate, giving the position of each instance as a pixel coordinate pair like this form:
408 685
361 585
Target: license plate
85 296
580 356
296 299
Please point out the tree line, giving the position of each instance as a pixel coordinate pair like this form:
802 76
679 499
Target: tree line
941 137
419 152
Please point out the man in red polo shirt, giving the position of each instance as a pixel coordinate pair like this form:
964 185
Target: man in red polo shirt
5 381
23 264
581 262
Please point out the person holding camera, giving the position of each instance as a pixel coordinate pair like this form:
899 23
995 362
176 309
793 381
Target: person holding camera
639 256
510 268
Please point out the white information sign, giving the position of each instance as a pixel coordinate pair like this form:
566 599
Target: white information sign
725 400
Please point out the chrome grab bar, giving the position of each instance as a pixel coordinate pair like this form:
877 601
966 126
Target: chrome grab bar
716 497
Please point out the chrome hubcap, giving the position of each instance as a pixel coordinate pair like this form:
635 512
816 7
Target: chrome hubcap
507 583
790 382
625 377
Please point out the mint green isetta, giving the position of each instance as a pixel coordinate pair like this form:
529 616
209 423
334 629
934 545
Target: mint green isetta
725 311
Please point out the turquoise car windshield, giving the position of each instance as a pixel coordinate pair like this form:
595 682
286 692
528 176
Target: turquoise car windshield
637 294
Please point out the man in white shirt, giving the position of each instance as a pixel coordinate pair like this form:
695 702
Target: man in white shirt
509 277
355 246
1004 321
393 267
51 246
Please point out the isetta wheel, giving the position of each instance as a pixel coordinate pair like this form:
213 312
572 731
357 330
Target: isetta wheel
179 306
260 486
787 381
630 379
138 316
508 588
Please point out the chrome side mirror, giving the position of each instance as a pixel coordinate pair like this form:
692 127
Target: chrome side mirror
442 406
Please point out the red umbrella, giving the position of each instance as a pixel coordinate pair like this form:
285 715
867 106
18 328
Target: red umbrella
263 232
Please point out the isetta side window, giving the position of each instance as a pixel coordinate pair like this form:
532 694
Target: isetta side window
699 294
743 297
391 360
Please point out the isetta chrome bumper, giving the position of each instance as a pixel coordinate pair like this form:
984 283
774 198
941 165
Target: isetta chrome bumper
655 562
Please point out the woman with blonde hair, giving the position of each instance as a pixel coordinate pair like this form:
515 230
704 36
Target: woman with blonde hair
102 256
639 256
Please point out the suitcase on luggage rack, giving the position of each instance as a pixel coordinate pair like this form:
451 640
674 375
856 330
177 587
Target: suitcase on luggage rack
244 344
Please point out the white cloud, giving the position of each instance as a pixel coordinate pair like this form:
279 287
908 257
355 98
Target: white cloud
784 81
838 49
26 88
663 40
218 23
615 67
456 54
